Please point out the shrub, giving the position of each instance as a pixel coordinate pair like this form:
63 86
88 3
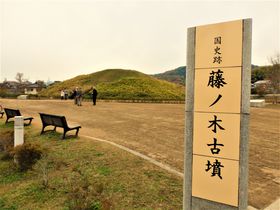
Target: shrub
6 141
6 94
42 167
26 155
84 195
261 90
6 155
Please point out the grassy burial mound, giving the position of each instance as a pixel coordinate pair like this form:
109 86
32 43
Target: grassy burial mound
120 84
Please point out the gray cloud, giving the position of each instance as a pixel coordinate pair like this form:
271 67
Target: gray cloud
62 39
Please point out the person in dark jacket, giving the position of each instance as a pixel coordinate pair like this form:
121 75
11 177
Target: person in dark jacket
65 94
94 95
74 95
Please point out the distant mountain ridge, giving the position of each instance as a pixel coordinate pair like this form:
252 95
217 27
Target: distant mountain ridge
177 75
120 84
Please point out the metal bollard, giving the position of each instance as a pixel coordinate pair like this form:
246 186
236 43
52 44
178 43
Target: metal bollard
19 131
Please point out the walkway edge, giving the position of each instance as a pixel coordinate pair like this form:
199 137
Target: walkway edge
153 161
274 206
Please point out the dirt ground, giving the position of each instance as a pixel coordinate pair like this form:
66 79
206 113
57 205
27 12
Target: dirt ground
157 130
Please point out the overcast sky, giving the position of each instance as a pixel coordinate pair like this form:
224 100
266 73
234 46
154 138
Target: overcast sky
60 39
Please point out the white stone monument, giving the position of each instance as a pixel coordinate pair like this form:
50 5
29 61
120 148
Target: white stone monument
19 131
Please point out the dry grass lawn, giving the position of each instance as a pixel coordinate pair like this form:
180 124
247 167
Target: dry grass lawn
157 130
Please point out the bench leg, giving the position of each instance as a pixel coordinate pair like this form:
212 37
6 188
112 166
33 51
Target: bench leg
29 122
77 132
42 130
7 120
64 134
54 128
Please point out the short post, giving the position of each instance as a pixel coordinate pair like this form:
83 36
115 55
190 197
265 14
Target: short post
19 131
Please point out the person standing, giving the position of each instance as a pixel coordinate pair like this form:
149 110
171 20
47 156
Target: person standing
75 95
65 94
94 96
79 97
62 94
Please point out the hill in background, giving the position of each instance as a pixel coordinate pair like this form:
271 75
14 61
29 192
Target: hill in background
120 84
177 75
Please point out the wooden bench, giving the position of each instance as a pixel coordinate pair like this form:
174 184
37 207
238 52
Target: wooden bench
11 113
57 121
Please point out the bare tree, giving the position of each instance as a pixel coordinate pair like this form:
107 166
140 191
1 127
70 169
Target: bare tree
19 77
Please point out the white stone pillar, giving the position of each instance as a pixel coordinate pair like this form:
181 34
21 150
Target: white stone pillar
19 131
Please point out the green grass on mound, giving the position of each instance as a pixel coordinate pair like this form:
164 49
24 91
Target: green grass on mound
82 171
120 84
140 88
